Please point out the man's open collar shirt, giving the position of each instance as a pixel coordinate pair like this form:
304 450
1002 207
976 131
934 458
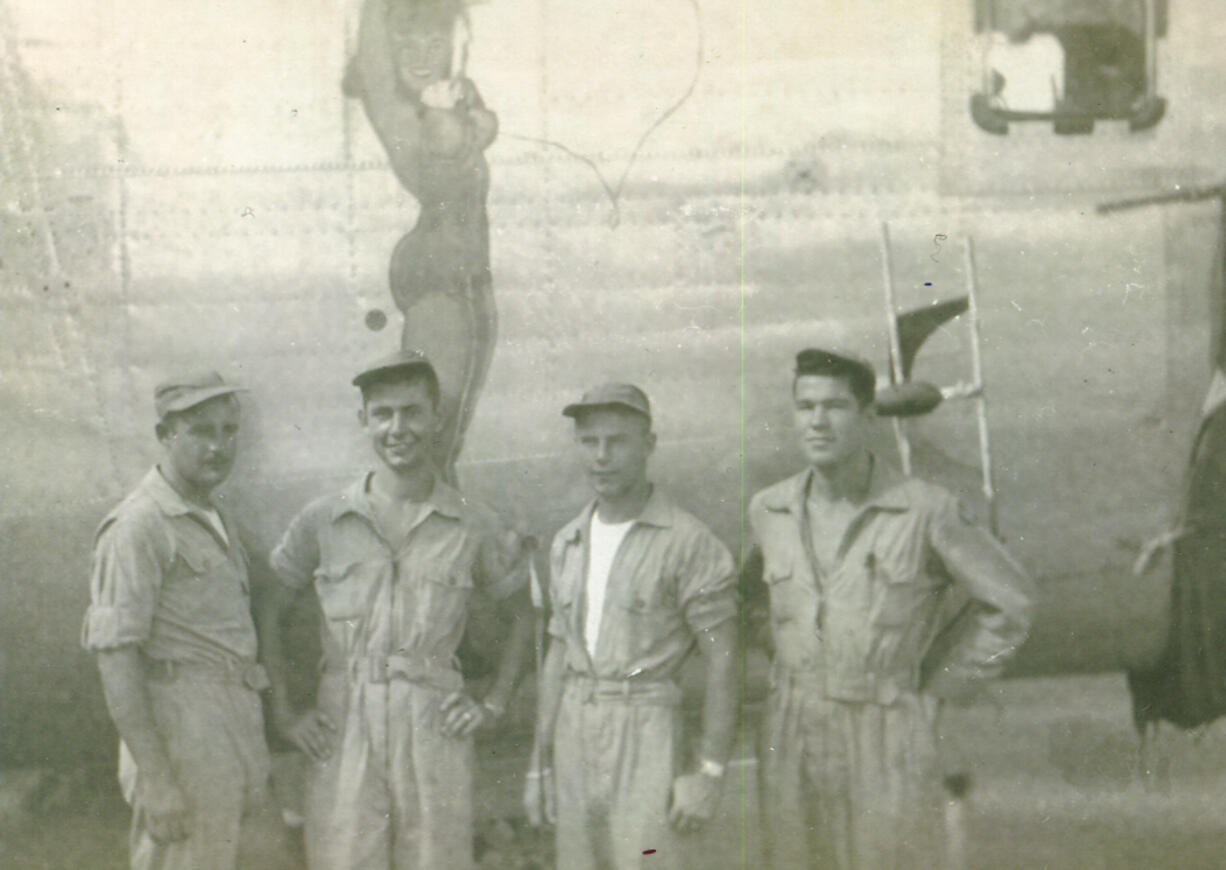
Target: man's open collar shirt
165 581
879 620
670 579
409 600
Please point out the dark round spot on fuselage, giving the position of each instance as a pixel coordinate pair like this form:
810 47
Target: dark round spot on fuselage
375 320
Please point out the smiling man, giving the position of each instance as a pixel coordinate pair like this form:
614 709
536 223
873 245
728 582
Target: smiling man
861 567
394 559
170 622
636 584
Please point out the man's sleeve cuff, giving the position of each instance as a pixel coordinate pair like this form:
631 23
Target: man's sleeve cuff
108 627
711 611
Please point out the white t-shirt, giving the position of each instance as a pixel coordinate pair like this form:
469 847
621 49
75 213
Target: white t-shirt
605 539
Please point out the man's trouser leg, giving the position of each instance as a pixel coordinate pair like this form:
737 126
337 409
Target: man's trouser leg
347 806
850 785
214 734
396 793
432 779
804 826
614 763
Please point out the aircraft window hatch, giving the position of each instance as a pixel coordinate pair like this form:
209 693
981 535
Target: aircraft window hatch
1068 62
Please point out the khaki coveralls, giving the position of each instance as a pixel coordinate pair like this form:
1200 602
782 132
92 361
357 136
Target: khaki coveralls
164 581
395 793
615 744
862 654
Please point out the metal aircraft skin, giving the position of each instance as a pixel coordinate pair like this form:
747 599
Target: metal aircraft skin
188 185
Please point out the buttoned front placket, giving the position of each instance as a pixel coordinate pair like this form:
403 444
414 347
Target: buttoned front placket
385 596
850 535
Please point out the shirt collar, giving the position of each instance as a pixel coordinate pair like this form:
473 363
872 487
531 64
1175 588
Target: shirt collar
658 511
887 490
167 498
444 499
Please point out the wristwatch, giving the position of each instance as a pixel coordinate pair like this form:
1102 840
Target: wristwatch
710 768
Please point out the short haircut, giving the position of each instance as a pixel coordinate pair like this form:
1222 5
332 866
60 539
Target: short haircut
405 374
859 379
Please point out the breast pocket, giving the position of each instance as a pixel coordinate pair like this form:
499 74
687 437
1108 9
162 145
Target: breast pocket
343 589
644 617
779 584
898 596
204 586
443 592
792 594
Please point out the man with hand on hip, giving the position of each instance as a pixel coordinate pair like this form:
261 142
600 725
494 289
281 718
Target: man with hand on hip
862 567
394 559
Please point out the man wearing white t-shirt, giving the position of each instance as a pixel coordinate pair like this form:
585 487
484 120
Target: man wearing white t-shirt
636 583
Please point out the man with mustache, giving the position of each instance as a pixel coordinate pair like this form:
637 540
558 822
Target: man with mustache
170 623
861 566
636 584
394 560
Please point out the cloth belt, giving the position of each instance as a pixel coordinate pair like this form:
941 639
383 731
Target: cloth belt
250 675
384 669
592 690
861 687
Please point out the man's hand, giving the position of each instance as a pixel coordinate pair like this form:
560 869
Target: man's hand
462 715
443 94
164 806
540 797
313 732
695 797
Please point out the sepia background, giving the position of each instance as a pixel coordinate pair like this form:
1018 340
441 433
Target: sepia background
683 195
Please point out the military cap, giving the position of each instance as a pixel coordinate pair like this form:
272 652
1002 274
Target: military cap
611 395
189 389
405 360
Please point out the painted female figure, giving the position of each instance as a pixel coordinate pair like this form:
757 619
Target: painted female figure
409 74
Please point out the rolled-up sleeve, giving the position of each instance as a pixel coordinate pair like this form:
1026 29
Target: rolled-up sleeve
296 555
125 578
996 619
707 583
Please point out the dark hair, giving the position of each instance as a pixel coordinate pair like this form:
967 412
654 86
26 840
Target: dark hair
861 381
405 374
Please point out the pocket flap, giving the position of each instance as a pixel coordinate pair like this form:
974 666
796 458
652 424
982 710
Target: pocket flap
197 560
335 573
